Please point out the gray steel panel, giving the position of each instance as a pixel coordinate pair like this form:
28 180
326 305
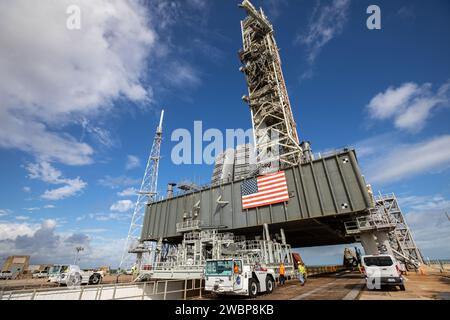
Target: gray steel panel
316 190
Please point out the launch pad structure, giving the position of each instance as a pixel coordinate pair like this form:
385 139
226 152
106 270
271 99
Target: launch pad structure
329 200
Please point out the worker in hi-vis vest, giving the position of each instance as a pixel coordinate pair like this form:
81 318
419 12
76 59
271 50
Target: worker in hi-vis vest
302 273
282 274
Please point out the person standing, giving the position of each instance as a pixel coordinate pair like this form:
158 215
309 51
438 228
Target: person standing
282 274
302 273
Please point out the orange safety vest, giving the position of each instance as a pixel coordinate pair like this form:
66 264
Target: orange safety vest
282 270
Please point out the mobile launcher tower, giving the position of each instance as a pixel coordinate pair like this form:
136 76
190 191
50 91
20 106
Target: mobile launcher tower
289 194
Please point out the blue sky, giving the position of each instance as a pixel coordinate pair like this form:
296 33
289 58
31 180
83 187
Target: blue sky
78 108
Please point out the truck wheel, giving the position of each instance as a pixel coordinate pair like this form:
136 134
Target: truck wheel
269 285
95 279
252 288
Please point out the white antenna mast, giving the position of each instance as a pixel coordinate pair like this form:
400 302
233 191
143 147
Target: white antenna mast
147 193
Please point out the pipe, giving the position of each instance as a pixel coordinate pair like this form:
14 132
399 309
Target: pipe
160 122
170 186
266 232
283 237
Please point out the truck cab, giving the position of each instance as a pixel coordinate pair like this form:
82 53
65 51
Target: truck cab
234 277
72 275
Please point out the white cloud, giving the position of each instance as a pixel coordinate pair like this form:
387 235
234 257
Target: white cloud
122 206
128 192
32 209
428 223
95 230
326 22
111 216
402 161
72 187
22 218
26 189
410 105
41 242
116 182
49 206
54 73
45 172
45 244
10 231
5 212
132 162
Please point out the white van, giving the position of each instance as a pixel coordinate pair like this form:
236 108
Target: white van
382 270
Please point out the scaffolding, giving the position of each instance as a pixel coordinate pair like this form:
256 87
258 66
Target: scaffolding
275 134
187 259
402 241
384 230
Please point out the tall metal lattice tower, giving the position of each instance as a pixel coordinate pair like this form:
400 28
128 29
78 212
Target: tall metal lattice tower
275 134
146 194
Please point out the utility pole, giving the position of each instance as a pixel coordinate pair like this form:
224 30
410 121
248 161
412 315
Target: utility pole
448 217
78 250
147 193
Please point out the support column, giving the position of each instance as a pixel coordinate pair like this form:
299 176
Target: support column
369 244
383 240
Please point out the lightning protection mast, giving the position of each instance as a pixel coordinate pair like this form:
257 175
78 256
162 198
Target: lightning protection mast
147 193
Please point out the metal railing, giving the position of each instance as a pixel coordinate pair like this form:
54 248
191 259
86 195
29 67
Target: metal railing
150 290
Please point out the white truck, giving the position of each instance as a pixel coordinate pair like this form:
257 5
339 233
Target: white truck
234 277
382 270
71 275
40 274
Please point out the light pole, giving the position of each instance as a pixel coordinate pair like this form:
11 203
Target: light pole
78 249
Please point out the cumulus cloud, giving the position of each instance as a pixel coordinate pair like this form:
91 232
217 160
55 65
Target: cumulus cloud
54 73
327 21
409 105
401 161
41 242
122 206
117 182
428 223
5 212
45 172
127 192
132 162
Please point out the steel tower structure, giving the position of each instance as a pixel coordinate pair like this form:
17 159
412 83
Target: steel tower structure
275 134
147 193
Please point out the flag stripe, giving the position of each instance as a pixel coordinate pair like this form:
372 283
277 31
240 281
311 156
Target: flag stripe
283 188
281 184
269 182
265 193
266 202
268 196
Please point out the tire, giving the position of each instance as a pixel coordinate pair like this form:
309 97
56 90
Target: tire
269 285
252 288
95 279
402 287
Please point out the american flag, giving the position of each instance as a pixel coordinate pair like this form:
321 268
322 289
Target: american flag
264 190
